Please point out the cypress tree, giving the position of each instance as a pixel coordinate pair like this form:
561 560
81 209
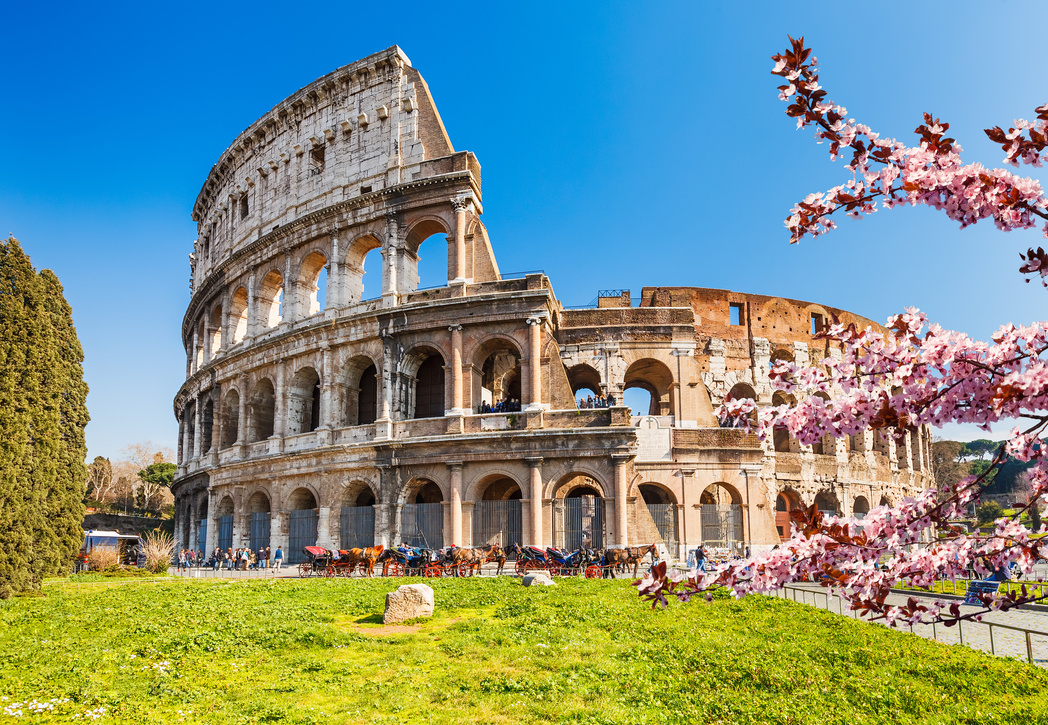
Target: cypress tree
42 418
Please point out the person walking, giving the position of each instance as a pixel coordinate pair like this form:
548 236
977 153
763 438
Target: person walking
262 562
278 559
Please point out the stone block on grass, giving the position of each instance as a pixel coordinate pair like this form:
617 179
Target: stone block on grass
408 602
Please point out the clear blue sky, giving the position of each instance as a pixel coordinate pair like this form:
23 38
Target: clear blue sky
630 145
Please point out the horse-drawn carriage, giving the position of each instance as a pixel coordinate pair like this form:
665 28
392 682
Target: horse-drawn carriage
343 562
592 563
451 561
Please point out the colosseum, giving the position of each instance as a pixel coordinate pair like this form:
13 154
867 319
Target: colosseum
314 412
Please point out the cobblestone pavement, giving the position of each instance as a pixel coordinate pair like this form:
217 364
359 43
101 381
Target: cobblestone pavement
977 635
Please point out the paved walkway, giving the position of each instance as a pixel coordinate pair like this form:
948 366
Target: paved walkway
1006 642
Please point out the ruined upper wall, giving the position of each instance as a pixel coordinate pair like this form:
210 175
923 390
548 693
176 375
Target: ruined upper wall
776 319
367 126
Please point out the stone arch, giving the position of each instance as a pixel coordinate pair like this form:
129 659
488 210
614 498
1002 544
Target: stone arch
655 377
215 331
355 281
781 354
578 481
423 489
827 502
258 502
238 315
358 493
496 363
497 486
303 498
303 402
261 411
425 367
310 284
860 507
207 426
271 298
827 445
230 419
885 501
654 493
720 493
360 391
225 506
786 500
781 438
583 377
422 513
419 231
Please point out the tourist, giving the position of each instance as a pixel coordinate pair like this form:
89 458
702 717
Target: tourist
278 558
252 563
262 563
181 566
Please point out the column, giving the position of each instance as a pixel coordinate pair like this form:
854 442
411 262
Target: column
196 429
456 370
455 467
326 402
535 494
460 241
196 348
620 461
390 283
252 307
324 538
211 534
535 362
279 404
183 440
242 410
334 293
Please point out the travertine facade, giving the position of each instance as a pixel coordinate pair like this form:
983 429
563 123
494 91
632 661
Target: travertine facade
311 415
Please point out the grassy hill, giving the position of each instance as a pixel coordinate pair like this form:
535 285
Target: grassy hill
584 651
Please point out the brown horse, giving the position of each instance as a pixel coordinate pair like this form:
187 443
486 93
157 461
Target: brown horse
473 559
365 558
630 555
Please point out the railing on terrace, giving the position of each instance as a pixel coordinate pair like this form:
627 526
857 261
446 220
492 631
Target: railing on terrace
940 633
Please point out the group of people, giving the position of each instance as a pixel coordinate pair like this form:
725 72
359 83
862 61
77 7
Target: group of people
512 405
231 559
601 401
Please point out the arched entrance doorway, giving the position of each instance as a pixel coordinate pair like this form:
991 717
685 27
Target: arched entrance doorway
357 522
661 506
578 519
224 514
422 516
302 524
259 510
721 513
860 507
784 503
497 517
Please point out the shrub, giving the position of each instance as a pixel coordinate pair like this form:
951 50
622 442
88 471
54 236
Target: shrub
987 512
103 558
158 548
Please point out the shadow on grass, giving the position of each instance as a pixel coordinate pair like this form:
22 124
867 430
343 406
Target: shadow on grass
370 619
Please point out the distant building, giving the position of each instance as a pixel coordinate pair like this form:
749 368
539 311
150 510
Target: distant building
311 415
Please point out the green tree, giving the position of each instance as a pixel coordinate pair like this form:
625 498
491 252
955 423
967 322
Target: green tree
42 419
987 512
156 477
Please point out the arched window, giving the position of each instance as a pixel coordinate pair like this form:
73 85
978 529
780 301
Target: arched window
207 422
429 388
271 300
827 503
498 386
230 419
367 396
363 276
215 339
312 284
303 405
261 411
431 268
238 315
655 379
860 507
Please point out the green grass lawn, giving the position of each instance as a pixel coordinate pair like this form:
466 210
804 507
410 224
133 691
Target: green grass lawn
585 651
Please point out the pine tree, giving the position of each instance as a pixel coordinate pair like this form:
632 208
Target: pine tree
42 419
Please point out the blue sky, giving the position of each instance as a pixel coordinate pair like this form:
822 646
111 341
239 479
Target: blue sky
622 145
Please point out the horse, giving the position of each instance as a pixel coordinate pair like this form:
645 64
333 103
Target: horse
366 558
474 558
627 556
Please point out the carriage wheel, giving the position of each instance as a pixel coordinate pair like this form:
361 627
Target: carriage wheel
519 568
593 571
432 571
530 566
395 568
554 570
465 570
305 569
330 571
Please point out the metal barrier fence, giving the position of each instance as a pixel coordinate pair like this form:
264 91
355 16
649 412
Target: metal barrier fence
357 527
302 532
259 530
497 522
579 522
972 629
422 524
